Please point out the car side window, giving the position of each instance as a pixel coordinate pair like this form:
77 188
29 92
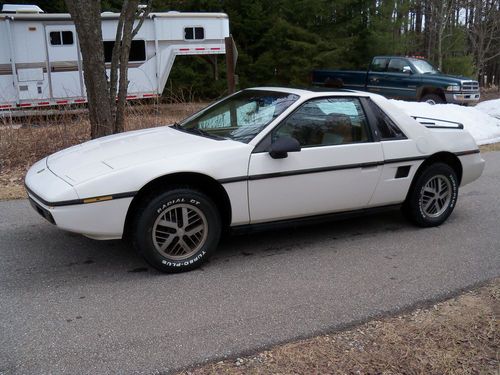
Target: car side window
397 65
325 122
379 64
386 128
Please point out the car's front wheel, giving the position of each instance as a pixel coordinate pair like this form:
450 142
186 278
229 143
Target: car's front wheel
433 196
176 230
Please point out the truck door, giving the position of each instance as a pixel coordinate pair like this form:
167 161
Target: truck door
376 72
63 56
397 81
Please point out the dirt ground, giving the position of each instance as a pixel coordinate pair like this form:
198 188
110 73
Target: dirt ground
457 336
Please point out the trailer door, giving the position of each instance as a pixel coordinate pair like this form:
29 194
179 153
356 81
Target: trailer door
64 61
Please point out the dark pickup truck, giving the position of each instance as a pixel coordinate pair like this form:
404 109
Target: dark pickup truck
404 78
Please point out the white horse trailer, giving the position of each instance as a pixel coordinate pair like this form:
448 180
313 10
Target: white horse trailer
41 64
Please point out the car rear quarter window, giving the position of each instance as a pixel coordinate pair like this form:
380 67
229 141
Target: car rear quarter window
386 129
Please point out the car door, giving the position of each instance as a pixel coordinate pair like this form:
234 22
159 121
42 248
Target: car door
337 168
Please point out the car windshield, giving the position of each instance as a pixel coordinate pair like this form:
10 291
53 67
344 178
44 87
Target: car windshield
424 67
240 117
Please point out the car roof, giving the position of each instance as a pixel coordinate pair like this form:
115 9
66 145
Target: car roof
312 92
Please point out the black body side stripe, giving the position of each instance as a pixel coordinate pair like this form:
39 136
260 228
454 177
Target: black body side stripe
313 170
81 201
332 168
233 179
404 160
470 152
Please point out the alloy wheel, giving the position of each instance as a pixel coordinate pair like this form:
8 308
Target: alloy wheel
180 231
435 196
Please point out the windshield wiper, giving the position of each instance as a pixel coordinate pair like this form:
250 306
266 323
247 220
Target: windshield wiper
196 131
203 133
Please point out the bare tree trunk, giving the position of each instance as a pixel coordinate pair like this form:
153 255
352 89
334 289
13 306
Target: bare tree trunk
106 98
484 33
87 17
441 12
429 29
418 21
129 32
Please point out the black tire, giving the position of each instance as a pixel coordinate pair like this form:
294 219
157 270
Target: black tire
160 223
425 208
433 99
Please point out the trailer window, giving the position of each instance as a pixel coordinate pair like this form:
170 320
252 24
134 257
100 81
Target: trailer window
194 33
58 38
137 50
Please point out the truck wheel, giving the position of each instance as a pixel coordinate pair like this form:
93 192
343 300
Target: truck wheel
432 99
177 230
433 196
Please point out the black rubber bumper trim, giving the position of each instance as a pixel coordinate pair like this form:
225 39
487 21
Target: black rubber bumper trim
79 201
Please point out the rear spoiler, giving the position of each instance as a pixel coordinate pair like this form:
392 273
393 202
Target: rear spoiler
435 123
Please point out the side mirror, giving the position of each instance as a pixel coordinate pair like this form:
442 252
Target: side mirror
282 146
407 69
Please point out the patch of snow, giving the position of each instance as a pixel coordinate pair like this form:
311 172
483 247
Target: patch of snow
481 121
491 107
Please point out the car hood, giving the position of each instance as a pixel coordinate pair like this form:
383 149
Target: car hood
105 155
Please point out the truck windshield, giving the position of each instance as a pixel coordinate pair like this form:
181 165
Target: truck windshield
240 117
423 67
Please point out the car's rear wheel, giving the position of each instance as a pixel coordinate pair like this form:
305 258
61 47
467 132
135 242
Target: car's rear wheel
432 99
433 196
177 230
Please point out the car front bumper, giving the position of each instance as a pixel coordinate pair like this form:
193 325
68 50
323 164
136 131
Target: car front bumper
462 97
58 202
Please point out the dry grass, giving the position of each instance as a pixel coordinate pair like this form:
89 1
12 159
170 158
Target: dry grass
24 141
458 336
490 93
490 147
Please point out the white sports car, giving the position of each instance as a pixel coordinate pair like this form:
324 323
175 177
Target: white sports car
258 157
